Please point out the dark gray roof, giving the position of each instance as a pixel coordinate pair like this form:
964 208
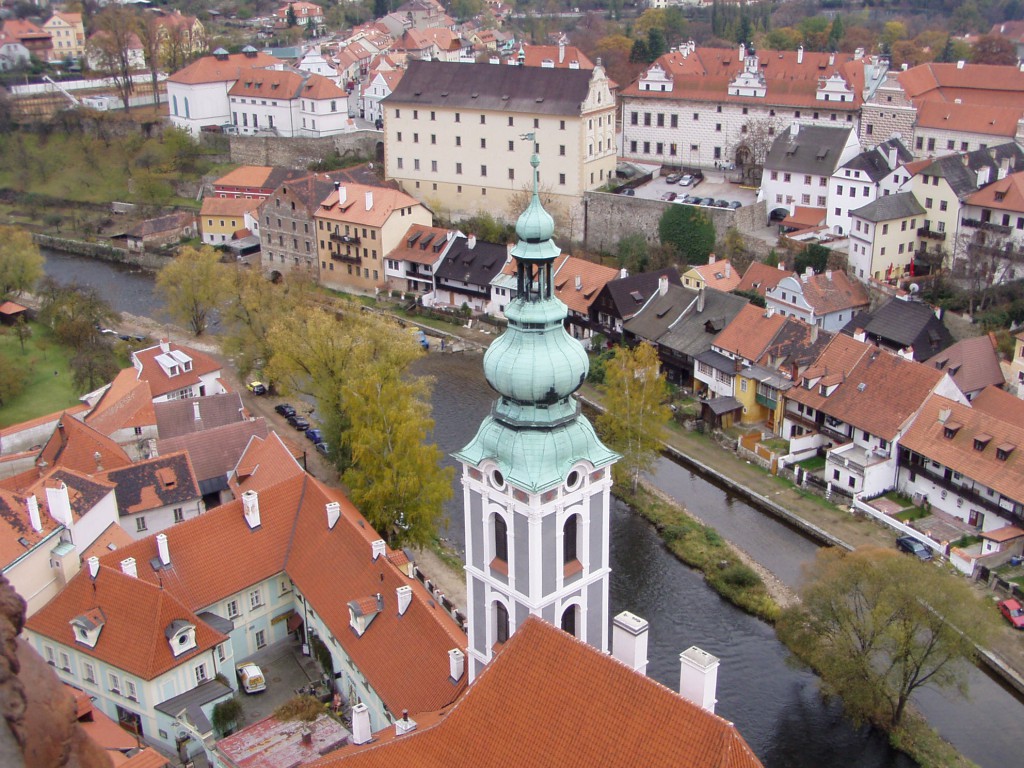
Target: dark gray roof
653 320
961 171
722 405
889 207
898 324
628 294
815 149
224 626
476 266
178 417
875 162
192 702
492 88
695 331
717 360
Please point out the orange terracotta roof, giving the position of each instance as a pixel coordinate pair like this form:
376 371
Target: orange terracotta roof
114 537
1006 533
285 84
705 74
537 55
85 491
549 699
70 18
988 119
159 382
999 403
578 281
927 436
14 429
11 308
973 84
74 445
128 402
354 209
750 332
229 206
16 533
140 648
210 69
839 357
265 463
424 241
246 176
718 275
832 291
1005 194
803 217
403 658
759 277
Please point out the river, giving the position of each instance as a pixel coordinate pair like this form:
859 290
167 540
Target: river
776 706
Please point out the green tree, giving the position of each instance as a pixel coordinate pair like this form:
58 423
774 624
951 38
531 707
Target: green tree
74 312
94 364
639 52
381 8
12 381
814 256
290 19
655 43
194 285
633 422
21 264
836 33
633 252
689 231
878 625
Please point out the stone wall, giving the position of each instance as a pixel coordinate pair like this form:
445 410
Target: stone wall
608 218
301 152
102 251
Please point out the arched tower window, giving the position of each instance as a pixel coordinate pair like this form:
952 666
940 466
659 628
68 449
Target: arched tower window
500 623
570 539
500 539
569 620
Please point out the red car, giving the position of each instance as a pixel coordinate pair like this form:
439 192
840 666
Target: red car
1013 613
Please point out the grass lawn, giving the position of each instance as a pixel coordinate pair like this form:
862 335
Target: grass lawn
812 464
899 498
908 515
44 393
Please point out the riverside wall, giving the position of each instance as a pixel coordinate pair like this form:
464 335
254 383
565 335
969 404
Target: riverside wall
102 251
301 152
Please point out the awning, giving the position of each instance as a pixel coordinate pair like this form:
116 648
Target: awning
294 622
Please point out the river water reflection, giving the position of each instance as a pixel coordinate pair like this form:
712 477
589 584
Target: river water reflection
777 708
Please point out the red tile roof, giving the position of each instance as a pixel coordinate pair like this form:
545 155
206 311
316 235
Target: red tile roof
211 69
283 84
354 209
592 277
417 253
549 699
999 403
988 119
265 462
1005 194
140 648
228 206
128 402
15 527
834 363
759 277
750 332
833 291
973 84
160 383
719 275
74 445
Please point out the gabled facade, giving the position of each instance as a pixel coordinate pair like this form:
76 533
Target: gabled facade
412 266
222 219
125 414
287 103
156 493
862 180
828 300
68 35
288 228
717 274
452 133
464 277
622 298
800 164
177 372
883 237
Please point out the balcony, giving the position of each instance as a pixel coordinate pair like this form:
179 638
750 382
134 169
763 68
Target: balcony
971 496
986 226
347 258
344 239
768 402
930 234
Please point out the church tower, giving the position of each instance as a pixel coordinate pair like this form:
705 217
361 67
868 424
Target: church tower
536 479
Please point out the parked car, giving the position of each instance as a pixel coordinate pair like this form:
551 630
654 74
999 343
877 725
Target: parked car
628 191
301 423
421 337
669 196
721 203
250 677
706 201
256 387
285 410
323 449
673 178
914 547
686 180
315 435
691 199
1012 612
735 204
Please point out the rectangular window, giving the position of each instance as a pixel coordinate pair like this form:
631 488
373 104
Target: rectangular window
200 673
458 118
511 174
433 165
179 512
511 146
130 691
483 170
483 143
458 141
661 120
674 121
65 662
458 168
261 639
88 672
561 179
115 683
140 524
561 150
254 599
647 118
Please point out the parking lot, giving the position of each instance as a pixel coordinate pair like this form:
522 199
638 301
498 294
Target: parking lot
714 185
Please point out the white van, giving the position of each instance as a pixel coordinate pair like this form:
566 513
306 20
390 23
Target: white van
250 677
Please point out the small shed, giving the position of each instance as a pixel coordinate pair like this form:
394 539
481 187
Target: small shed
720 412
163 230
10 312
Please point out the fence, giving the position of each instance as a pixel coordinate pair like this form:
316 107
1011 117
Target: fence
862 506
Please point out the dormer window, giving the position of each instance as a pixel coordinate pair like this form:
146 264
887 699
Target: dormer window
181 636
1003 451
950 429
87 627
362 612
981 441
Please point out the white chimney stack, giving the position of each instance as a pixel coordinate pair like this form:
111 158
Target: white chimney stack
794 130
162 548
165 346
662 285
700 299
471 242
195 411
342 194
251 508
728 269
333 513
60 505
629 641
404 725
456 663
360 724
369 201
404 598
94 566
698 677
32 503
579 282
377 548
128 567
800 54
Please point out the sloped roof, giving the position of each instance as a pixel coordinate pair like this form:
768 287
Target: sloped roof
961 170
973 84
213 69
403 658
927 436
493 88
228 206
972 363
477 265
156 482
986 119
815 149
999 403
796 346
422 244
653 318
159 382
264 463
833 291
74 445
140 648
900 324
354 210
695 331
589 276
837 359
538 55
160 224
874 162
628 294
85 490
750 332
545 676
719 275
178 417
1004 194
16 534
889 207
127 402
759 277
214 452
285 85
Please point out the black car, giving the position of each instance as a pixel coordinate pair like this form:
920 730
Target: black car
914 547
285 410
300 423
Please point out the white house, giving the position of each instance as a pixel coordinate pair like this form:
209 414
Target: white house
176 372
860 181
288 103
828 300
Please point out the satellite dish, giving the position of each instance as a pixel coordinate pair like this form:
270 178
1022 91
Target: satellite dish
914 288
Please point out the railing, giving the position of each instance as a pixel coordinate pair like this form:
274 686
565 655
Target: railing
926 232
347 258
345 239
986 226
766 401
969 494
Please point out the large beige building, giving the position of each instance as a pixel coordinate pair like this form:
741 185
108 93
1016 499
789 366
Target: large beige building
454 135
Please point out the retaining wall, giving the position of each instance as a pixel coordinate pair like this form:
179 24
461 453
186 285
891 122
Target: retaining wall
299 152
102 251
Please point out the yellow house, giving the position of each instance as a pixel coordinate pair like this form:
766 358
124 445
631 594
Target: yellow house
717 274
222 217
68 35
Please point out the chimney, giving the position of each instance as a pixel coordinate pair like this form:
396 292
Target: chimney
794 130
781 266
405 725
1004 168
960 64
380 602
128 567
60 505
251 508
195 411
814 333
891 158
698 677
728 269
907 353
800 54
629 641
711 258
456 664
333 513
98 458
938 313
832 59
307 735
662 285
623 273
337 186
828 275
579 282
471 242
33 513
561 49
983 175
377 548
360 724
860 334
162 548
342 193
700 299
94 566
743 52
369 201
165 347
858 54
404 594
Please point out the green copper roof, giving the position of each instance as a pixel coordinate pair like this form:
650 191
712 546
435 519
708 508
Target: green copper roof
535 227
